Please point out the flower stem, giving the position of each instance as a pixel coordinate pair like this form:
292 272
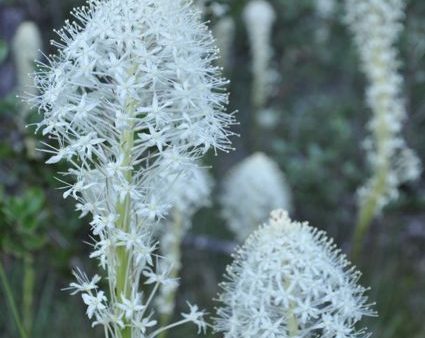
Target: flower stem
367 212
28 293
162 329
370 205
123 286
293 329
11 301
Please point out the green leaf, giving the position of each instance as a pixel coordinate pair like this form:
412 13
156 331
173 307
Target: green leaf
4 50
34 242
34 200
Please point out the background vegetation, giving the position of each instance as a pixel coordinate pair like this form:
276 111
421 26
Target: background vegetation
320 117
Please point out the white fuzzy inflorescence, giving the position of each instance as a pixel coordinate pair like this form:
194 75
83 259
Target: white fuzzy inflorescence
259 17
251 190
131 98
190 192
376 25
26 47
289 281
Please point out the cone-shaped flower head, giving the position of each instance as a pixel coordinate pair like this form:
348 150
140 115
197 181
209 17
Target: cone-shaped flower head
251 190
134 76
289 281
130 100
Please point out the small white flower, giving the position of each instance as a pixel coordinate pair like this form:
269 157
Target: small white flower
144 324
197 317
131 306
95 303
154 209
106 318
143 254
154 137
103 249
83 284
154 277
100 224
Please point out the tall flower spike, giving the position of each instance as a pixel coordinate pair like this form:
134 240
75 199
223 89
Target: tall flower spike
376 25
250 191
190 192
289 281
259 17
26 47
131 98
224 32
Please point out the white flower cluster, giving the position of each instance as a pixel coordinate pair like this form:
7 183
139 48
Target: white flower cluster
259 17
26 47
190 192
251 190
129 101
376 25
290 281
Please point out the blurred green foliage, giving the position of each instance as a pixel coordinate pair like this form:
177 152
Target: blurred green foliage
317 140
23 227
3 50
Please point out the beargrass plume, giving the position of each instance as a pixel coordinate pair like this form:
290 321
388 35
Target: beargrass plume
290 281
376 26
130 99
